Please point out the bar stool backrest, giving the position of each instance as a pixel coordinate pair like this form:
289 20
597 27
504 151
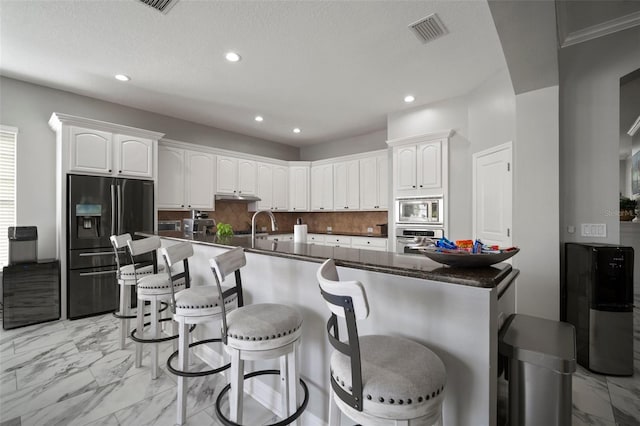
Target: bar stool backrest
329 282
118 242
139 248
223 265
347 300
172 256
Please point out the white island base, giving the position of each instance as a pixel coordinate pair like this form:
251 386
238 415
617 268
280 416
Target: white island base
458 322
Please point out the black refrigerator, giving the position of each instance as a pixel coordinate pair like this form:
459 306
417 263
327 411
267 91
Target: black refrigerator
98 207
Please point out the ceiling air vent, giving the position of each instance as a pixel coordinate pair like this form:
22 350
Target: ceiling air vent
429 28
161 5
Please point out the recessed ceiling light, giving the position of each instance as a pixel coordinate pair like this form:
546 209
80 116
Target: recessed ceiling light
296 130
232 57
409 98
122 77
259 118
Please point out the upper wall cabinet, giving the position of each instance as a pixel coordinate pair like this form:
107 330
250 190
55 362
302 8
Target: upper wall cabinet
185 179
99 148
346 185
322 187
374 183
299 188
236 175
420 168
272 186
95 151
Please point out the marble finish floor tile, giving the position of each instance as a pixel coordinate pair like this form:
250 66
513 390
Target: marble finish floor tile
583 419
41 373
41 356
110 420
8 383
37 397
591 397
12 422
99 402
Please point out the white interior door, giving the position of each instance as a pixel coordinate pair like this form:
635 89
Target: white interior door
492 195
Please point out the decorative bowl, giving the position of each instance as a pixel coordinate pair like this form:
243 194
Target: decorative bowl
463 259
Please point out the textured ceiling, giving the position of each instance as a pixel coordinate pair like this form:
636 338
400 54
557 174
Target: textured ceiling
333 68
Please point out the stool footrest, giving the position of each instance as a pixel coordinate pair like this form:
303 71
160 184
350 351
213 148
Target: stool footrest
195 373
158 340
284 422
117 315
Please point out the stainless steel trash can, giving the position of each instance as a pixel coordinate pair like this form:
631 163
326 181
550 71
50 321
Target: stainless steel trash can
541 358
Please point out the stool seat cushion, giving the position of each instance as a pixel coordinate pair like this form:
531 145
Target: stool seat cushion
398 375
157 284
128 273
263 326
200 301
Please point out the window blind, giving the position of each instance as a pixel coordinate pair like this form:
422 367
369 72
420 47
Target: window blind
8 137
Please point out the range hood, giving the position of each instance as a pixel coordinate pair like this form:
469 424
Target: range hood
237 197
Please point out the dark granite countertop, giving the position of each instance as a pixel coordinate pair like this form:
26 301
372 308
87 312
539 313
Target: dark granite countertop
343 234
497 275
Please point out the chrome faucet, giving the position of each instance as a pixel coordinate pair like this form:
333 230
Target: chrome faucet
274 225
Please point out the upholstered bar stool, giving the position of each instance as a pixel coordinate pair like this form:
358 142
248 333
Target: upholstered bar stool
376 380
191 306
155 288
126 277
258 332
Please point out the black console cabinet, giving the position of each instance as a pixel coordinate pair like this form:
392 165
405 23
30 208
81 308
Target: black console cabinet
31 293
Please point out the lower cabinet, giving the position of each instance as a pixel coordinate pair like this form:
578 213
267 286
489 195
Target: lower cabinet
379 244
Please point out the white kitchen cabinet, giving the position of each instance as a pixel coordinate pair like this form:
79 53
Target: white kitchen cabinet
378 244
322 187
419 168
346 185
299 188
374 183
107 153
337 241
272 186
316 239
134 156
185 179
235 175
280 237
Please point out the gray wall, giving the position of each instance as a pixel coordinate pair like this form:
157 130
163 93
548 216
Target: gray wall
536 211
589 106
28 107
368 142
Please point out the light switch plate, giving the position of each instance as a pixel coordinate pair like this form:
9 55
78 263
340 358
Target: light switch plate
329 229
598 230
369 229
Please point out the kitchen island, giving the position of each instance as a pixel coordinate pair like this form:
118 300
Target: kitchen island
455 312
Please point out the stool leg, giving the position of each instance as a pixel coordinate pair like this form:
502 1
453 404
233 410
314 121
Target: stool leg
154 335
334 412
183 362
237 391
123 311
293 375
127 311
140 332
402 423
285 391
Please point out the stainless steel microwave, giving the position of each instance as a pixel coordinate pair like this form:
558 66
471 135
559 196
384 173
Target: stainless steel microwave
420 210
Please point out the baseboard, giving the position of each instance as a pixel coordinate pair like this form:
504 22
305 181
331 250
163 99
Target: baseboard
264 394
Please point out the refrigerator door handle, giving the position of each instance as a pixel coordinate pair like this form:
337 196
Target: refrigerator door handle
90 274
113 210
101 253
119 209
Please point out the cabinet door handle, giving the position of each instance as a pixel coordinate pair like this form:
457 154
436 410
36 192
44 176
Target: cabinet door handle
413 186
119 171
109 170
420 186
